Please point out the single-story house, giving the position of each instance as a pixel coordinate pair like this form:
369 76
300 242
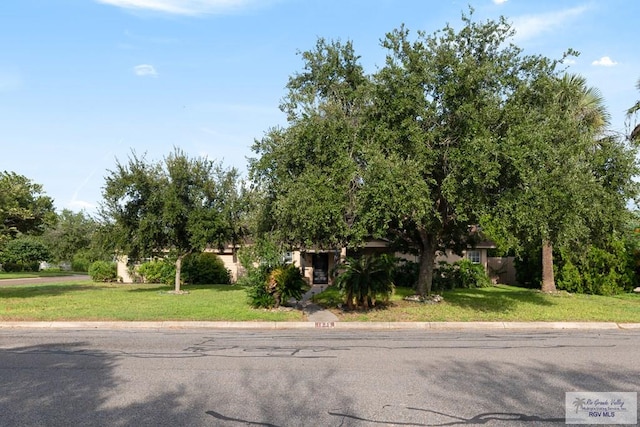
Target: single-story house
317 265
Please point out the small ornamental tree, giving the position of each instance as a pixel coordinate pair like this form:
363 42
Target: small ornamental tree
174 207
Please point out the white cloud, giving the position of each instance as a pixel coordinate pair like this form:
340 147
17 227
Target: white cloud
144 70
530 26
605 61
78 205
499 1
569 61
180 7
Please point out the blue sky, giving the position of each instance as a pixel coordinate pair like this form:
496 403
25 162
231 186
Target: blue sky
83 82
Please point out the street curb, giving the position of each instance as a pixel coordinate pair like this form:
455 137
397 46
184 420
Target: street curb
325 325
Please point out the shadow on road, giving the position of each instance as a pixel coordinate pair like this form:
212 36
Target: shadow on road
67 384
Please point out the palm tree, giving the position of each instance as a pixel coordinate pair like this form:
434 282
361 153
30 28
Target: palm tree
588 109
635 133
588 102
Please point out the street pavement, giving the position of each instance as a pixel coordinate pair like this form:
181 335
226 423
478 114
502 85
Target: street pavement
44 280
320 377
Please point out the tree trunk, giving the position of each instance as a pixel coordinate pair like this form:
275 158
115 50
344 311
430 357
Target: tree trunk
548 281
427 261
178 269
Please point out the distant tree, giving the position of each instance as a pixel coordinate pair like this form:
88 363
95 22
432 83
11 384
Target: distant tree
73 236
174 207
24 253
24 207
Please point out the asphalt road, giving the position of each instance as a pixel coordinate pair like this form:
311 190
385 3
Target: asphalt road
43 280
311 377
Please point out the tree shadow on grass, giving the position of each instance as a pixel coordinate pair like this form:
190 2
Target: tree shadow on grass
167 288
32 291
496 300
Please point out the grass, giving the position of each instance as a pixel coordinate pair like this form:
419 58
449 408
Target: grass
495 304
86 300
89 301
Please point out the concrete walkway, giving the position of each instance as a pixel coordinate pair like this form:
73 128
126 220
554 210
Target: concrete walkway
314 312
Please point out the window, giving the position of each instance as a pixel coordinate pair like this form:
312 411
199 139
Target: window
473 256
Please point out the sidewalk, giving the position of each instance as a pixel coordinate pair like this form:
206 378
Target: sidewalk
321 323
314 312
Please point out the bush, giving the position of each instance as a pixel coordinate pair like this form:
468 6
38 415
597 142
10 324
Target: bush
405 273
204 268
256 283
598 271
269 287
103 271
80 261
23 254
460 274
286 282
157 271
18 267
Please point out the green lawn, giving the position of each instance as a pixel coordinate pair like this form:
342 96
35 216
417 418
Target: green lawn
110 301
497 303
99 301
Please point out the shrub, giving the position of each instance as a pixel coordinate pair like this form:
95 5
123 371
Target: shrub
256 283
598 271
286 282
80 261
17 267
405 273
103 271
157 271
460 274
23 254
365 279
269 282
204 268
269 287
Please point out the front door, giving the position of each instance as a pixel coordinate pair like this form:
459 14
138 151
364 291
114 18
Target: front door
320 269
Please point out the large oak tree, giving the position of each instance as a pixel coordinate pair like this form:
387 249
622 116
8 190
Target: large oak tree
454 124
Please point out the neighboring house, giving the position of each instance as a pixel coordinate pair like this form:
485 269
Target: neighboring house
228 255
317 265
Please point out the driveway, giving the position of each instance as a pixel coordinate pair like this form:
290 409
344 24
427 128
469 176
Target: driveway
44 280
